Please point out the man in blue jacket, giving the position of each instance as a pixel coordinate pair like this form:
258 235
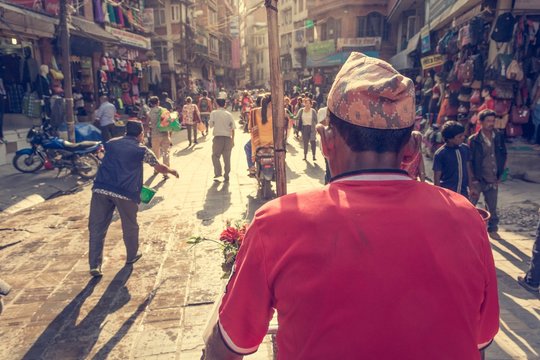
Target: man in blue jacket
118 185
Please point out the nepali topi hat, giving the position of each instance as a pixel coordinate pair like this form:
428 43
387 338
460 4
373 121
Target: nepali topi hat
369 92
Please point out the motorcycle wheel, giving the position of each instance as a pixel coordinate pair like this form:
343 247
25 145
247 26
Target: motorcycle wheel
28 163
266 189
87 166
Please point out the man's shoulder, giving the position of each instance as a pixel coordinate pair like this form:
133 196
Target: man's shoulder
441 151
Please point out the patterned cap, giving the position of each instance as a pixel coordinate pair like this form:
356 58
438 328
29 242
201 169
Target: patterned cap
369 92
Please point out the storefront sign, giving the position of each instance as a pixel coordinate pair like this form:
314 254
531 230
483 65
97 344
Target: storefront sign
425 40
527 5
130 38
336 59
430 62
358 42
437 7
148 20
321 49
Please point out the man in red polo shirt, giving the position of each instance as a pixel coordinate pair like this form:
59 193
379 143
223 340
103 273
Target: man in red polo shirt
373 265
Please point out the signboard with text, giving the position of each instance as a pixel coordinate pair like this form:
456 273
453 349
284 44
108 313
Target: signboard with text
358 42
148 20
430 62
131 39
425 42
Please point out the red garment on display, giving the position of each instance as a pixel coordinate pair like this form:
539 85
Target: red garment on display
373 266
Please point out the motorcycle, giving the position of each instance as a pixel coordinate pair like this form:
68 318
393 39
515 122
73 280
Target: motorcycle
4 291
265 170
53 152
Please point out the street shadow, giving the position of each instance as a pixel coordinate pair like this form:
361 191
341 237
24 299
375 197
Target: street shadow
291 174
64 336
291 149
105 350
510 252
217 202
518 323
314 171
253 204
44 183
185 151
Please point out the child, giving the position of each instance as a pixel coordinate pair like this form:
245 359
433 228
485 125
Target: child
452 162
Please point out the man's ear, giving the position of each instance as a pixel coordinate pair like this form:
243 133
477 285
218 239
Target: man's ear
327 135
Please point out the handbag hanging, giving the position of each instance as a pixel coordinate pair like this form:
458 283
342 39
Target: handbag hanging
520 115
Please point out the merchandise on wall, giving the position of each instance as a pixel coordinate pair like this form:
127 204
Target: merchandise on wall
125 80
471 83
19 70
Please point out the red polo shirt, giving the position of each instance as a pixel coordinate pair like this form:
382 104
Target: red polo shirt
372 266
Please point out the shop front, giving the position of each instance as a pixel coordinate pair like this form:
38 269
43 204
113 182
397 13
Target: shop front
22 32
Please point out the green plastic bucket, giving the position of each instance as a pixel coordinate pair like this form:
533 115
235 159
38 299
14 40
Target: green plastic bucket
147 194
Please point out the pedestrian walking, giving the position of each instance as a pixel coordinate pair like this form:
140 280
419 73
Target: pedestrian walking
166 102
223 123
161 140
531 280
307 116
452 161
205 107
488 157
118 186
191 117
105 117
373 265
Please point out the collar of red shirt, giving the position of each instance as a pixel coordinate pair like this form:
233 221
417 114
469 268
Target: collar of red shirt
372 175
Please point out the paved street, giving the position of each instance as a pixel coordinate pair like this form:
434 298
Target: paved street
159 309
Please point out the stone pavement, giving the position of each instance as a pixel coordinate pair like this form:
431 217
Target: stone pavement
158 308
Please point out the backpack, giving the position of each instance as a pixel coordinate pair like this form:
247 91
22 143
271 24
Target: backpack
204 105
476 30
504 28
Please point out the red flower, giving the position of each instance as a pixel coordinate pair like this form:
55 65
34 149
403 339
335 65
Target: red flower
230 235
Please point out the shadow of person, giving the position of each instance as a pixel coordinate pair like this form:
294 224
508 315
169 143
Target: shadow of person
103 353
291 174
217 202
291 149
149 181
315 172
254 203
64 338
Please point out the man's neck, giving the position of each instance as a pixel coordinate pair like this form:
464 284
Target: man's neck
487 133
369 161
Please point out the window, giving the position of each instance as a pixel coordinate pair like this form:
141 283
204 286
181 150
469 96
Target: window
213 44
78 7
159 16
287 17
411 26
371 25
175 13
160 48
213 17
300 5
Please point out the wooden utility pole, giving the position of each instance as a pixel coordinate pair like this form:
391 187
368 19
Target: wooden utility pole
66 69
278 108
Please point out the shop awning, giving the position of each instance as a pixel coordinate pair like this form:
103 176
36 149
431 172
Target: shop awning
402 60
16 20
91 30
